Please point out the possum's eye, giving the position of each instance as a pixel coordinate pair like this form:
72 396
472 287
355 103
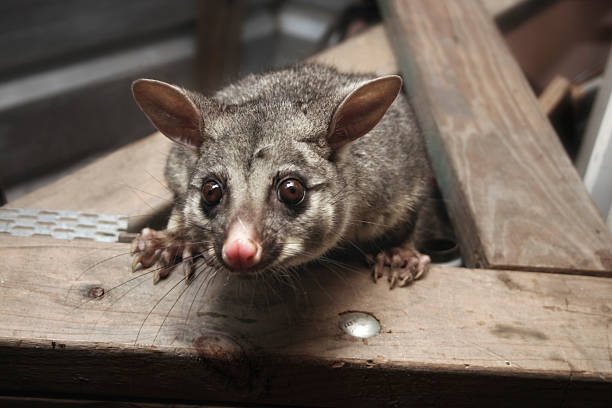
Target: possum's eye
291 191
212 192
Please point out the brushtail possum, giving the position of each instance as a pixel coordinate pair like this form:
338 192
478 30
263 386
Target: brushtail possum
278 169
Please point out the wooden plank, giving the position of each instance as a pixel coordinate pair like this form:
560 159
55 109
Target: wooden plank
89 98
129 182
59 29
462 336
514 196
349 56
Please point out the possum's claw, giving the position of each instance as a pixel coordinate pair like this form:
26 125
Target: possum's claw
187 265
152 247
401 265
149 247
161 273
145 258
187 269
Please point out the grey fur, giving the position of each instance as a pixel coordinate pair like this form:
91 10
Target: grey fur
265 127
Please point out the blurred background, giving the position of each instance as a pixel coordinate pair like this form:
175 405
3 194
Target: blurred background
66 65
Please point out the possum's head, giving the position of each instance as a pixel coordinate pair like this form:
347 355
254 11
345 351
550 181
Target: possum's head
270 189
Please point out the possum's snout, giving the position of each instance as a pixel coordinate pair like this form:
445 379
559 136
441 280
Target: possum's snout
242 249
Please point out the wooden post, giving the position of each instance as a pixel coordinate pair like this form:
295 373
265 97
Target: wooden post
219 29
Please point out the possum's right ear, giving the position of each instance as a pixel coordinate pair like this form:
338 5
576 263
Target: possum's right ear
170 110
362 109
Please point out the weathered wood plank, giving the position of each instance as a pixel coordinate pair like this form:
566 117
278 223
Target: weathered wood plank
129 181
514 196
455 331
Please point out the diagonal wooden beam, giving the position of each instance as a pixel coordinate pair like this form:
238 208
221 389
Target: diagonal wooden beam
514 196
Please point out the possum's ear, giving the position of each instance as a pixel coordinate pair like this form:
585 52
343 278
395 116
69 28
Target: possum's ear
361 110
170 110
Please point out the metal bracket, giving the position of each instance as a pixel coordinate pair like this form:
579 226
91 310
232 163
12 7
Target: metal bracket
26 222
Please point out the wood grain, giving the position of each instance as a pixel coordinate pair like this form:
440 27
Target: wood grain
514 196
455 331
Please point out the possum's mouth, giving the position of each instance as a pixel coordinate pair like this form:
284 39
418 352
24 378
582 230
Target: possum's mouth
268 259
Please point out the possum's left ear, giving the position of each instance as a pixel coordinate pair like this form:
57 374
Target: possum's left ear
170 110
362 109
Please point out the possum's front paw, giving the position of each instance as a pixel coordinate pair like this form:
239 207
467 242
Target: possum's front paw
152 247
401 265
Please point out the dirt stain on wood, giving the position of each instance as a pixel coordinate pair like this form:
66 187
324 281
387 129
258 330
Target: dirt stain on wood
605 257
510 284
224 316
225 358
509 332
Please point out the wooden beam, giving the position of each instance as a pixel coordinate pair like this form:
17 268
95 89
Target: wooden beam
556 93
67 29
460 335
350 55
129 181
219 28
514 196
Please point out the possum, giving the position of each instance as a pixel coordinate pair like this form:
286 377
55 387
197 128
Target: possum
279 169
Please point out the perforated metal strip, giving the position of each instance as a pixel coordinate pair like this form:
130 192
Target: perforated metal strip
26 222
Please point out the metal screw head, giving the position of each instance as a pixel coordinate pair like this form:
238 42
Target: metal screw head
359 324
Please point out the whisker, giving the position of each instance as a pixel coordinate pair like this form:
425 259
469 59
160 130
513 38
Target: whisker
161 183
155 306
208 281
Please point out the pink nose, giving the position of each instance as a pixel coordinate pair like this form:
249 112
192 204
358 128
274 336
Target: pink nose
241 249
241 254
